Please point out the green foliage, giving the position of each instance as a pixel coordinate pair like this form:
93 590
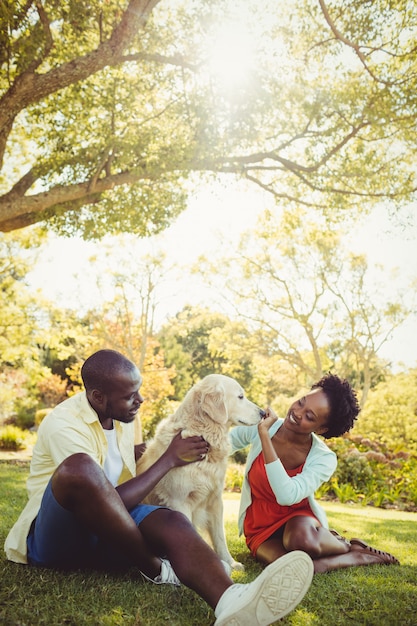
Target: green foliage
345 492
25 413
354 469
35 338
12 438
311 305
106 106
19 325
390 413
156 389
201 342
369 472
234 477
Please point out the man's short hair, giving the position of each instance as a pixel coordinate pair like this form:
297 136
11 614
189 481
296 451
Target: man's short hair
101 367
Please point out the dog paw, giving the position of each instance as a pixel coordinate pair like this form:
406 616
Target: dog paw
238 567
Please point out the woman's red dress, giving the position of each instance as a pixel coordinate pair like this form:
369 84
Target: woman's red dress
265 516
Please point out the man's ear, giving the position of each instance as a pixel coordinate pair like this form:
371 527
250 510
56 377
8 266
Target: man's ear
97 398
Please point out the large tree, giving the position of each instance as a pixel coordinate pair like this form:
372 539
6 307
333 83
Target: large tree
309 301
106 108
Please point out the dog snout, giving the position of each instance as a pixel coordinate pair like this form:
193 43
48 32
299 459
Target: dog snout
262 414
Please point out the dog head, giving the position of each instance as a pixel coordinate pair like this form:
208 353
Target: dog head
223 400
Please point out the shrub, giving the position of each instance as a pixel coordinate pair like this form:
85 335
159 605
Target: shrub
12 438
240 456
234 477
40 415
52 390
354 469
25 418
370 472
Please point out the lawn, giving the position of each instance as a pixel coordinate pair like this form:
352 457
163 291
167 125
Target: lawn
368 596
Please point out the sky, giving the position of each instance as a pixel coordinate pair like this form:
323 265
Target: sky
215 215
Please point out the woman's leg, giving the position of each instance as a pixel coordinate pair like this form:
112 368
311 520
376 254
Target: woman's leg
328 551
301 533
271 549
307 534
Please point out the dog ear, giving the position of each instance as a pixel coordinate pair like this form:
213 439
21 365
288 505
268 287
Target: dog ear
212 400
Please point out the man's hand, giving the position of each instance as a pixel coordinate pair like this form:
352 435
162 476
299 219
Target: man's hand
187 450
139 450
179 452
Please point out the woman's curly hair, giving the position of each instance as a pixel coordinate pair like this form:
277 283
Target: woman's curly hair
344 405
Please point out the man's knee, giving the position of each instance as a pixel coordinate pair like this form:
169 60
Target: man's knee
169 518
78 471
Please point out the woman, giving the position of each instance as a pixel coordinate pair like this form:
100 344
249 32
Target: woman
286 464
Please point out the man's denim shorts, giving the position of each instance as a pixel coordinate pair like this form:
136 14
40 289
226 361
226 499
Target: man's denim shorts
57 539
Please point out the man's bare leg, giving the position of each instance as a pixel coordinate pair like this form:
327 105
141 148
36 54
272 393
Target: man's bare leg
80 486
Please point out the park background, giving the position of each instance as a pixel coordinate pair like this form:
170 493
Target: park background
215 187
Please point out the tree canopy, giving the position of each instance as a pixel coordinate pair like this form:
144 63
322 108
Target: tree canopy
107 108
308 300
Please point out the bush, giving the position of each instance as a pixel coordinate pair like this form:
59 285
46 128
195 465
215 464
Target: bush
40 415
12 438
24 419
234 477
240 456
354 469
370 473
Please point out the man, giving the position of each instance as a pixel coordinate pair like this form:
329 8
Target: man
85 508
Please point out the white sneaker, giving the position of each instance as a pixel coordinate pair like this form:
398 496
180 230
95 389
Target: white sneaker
271 596
167 576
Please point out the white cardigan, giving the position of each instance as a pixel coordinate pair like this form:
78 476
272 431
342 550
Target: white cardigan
320 464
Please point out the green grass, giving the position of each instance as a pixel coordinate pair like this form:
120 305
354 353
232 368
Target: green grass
368 596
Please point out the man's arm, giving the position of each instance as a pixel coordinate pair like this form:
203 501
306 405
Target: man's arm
179 452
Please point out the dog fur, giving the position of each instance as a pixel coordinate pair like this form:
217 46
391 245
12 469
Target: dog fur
209 409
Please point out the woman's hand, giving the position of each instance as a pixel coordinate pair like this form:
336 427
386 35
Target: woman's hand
267 421
187 450
263 429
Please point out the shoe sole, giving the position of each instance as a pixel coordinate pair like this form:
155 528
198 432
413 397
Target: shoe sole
275 593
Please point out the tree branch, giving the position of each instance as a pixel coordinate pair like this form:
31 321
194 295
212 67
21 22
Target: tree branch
26 209
30 87
340 37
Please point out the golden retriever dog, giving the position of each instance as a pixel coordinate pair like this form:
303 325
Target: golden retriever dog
209 409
